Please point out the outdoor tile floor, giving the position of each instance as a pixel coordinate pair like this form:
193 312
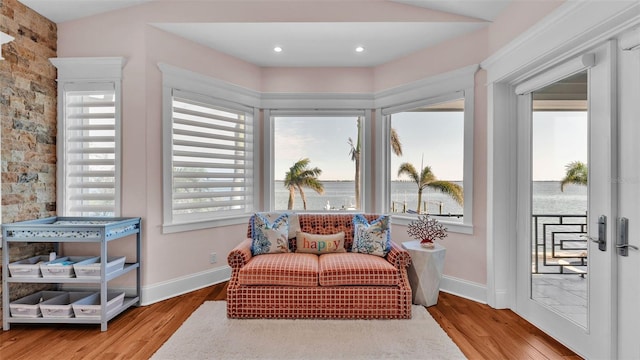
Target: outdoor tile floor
565 294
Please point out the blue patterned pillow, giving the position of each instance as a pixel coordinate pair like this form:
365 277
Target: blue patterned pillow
371 238
270 237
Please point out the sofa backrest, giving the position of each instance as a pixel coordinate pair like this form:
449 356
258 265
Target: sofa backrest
325 224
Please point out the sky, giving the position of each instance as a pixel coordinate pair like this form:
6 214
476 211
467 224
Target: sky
324 140
558 139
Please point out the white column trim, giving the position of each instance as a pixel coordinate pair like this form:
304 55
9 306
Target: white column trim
501 192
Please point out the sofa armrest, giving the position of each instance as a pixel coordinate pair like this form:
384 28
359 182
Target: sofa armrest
240 255
398 256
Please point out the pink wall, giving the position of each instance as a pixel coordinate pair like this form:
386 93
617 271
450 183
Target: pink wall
451 55
145 46
516 18
317 80
173 256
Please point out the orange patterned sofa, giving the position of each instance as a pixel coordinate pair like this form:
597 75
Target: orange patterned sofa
344 285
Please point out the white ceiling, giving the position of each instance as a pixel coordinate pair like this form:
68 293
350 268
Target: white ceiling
306 43
319 44
64 10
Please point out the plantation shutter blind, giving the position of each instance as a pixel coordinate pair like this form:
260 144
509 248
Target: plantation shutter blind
211 155
90 135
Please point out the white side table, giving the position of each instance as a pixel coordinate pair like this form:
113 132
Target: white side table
425 272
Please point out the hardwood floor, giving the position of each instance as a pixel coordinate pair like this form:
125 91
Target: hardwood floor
485 333
479 331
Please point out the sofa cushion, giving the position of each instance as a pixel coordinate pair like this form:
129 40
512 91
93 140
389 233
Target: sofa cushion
356 269
280 269
320 244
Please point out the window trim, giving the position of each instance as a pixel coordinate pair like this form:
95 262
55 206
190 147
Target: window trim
84 74
437 89
376 162
218 92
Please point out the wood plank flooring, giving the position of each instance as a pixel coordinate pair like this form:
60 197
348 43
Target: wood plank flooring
479 331
485 333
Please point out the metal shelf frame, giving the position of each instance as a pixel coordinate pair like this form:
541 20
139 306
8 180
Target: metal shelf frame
108 228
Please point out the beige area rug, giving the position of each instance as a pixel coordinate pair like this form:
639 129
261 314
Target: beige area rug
208 334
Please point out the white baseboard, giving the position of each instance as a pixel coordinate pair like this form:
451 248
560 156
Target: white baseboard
501 300
463 288
182 285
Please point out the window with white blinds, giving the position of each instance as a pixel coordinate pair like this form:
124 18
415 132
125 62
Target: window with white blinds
211 158
90 150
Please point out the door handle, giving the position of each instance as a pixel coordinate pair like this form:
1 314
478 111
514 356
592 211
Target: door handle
602 234
623 238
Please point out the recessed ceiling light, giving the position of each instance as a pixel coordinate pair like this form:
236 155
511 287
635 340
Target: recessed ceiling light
277 49
359 49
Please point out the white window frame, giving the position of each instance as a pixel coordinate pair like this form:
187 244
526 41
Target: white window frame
214 92
365 161
88 74
441 88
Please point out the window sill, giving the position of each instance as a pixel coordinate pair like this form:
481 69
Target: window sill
205 224
452 227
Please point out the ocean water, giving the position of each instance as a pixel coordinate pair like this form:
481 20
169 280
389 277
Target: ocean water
547 198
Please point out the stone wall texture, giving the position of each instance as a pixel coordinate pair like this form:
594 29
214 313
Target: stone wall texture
28 103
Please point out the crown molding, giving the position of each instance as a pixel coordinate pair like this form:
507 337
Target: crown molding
572 29
89 68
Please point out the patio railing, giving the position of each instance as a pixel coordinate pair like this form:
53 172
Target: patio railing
559 246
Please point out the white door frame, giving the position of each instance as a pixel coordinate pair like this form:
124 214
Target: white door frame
629 192
570 30
598 340
574 27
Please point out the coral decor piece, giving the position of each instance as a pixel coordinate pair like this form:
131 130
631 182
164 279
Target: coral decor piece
427 230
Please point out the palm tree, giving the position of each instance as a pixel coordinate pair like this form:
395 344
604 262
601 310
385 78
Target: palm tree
355 151
355 156
300 176
426 178
577 173
396 146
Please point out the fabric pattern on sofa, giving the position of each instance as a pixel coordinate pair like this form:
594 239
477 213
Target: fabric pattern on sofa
356 269
281 269
344 285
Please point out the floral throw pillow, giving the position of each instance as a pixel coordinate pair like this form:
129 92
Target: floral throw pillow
371 238
294 222
270 237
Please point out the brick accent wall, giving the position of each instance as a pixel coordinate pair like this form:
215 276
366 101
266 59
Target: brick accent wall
28 103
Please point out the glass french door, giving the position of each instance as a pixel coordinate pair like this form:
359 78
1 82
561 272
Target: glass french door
559 197
566 203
